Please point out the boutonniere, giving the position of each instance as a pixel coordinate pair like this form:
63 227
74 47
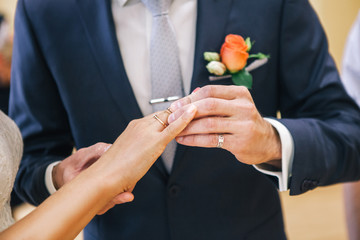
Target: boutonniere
232 60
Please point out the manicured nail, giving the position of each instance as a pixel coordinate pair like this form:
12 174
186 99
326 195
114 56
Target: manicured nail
195 90
191 108
176 105
189 113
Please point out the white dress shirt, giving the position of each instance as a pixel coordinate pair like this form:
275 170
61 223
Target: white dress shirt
133 30
351 62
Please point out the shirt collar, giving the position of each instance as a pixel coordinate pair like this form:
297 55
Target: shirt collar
124 3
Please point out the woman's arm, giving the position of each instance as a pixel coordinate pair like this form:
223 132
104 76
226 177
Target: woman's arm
64 214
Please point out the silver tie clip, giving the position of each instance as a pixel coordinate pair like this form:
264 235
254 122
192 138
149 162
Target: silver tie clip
161 100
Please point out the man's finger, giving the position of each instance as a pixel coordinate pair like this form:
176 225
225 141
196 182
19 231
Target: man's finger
119 199
123 198
213 91
179 125
87 156
205 140
211 125
219 107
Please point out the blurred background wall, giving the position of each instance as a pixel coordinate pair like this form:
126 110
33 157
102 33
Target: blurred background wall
318 214
337 18
7 7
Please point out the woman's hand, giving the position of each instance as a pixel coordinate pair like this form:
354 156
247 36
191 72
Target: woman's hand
138 147
96 188
128 159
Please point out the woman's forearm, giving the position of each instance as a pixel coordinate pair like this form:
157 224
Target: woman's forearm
64 214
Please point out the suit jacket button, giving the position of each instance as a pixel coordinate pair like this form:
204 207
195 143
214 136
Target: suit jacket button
309 185
174 191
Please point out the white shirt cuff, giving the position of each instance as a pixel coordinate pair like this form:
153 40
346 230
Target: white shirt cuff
48 178
287 155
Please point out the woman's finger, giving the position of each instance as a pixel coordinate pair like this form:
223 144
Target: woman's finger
160 119
178 125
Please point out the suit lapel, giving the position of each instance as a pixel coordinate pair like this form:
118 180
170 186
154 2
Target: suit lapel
212 17
99 27
210 34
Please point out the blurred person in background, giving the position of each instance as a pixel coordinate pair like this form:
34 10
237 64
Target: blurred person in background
351 80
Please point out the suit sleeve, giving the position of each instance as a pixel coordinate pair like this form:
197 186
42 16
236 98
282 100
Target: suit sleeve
323 121
36 106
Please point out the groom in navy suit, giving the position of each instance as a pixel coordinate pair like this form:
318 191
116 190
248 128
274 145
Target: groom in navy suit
81 73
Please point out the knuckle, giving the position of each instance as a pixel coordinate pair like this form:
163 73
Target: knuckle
237 103
208 90
133 123
81 151
210 123
170 131
190 139
249 126
253 112
100 145
251 130
250 108
210 105
241 90
214 140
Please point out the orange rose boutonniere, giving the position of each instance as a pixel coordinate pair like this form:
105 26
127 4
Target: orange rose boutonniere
232 59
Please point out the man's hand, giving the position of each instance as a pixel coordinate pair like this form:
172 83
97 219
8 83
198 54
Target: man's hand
231 112
73 165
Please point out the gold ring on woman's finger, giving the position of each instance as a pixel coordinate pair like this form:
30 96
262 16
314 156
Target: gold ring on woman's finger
160 121
168 110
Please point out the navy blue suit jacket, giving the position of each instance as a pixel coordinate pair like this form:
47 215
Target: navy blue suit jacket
69 88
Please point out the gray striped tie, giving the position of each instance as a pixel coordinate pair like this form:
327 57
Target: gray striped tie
166 78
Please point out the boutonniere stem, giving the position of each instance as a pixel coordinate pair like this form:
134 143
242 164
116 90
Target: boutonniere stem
254 65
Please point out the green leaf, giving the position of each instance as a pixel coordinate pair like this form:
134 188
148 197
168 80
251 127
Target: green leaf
243 78
249 44
259 56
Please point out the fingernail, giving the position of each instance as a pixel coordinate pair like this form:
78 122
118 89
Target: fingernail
179 139
173 106
189 113
107 148
179 104
176 105
171 118
195 90
191 108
